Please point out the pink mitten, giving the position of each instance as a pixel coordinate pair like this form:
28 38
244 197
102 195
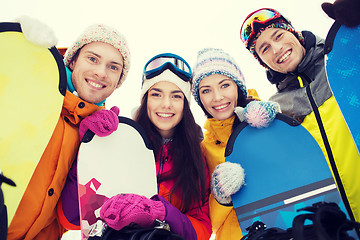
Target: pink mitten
124 209
102 122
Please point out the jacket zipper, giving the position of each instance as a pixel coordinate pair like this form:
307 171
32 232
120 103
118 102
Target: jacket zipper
161 167
328 148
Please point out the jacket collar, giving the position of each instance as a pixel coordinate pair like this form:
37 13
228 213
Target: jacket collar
218 130
76 109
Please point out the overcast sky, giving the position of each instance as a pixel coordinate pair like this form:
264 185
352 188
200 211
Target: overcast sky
181 27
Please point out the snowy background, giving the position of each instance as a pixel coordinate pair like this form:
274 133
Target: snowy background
158 26
181 27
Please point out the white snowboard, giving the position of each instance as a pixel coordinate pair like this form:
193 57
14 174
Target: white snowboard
122 162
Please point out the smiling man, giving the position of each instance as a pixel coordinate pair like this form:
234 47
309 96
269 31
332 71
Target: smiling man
295 63
279 49
293 60
97 63
96 71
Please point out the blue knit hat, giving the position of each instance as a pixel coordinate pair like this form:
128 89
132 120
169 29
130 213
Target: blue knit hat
212 61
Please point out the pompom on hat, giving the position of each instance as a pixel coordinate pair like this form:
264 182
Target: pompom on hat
212 61
105 34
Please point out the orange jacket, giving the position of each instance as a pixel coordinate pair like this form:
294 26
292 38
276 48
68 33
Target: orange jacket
36 217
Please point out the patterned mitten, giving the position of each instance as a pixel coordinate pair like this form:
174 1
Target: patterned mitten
258 114
226 180
102 122
124 209
37 32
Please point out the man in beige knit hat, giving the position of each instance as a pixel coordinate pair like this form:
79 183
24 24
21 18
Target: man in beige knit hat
97 70
96 64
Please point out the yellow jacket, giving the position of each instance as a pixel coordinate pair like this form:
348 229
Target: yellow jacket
223 218
36 217
307 96
345 154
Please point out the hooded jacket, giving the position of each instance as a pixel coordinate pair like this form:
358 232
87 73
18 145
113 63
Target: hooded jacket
193 224
35 217
305 95
223 218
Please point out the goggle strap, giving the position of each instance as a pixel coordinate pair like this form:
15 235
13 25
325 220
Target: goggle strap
183 74
181 64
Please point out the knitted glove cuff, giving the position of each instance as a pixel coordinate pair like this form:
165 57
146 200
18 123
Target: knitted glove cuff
258 114
124 209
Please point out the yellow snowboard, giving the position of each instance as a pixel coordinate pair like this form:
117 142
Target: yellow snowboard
32 89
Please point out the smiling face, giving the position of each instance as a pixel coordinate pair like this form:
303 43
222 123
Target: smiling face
96 71
165 106
279 49
219 96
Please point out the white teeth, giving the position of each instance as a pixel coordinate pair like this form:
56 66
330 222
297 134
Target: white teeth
95 84
284 57
165 115
221 107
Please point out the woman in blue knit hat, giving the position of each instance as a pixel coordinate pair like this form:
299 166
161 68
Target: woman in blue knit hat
219 88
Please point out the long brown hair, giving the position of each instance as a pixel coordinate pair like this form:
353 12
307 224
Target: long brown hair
189 169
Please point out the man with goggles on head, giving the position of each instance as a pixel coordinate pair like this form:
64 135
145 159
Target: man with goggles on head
294 62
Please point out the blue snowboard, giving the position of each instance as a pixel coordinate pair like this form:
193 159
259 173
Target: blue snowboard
285 170
342 47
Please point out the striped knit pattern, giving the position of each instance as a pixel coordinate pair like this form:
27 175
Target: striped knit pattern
258 114
215 61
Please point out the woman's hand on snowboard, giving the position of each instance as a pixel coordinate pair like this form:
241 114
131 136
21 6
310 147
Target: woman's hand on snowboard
226 180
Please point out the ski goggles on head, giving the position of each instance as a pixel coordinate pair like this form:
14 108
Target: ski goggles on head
261 17
173 62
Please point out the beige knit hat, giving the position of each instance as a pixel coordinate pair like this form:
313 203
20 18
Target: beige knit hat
106 34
